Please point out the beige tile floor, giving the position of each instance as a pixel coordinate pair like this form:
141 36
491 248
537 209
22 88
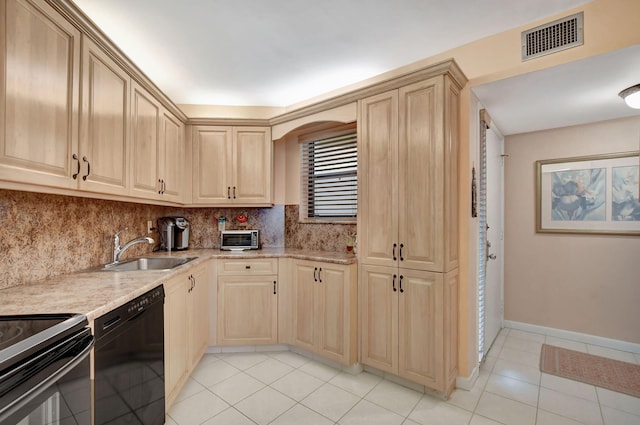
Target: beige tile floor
284 388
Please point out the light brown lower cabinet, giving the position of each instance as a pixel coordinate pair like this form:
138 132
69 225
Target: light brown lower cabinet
325 309
409 324
186 326
247 302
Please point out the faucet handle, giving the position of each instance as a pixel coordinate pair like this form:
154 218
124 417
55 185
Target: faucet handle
116 238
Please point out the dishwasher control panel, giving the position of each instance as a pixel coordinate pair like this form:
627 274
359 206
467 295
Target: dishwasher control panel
120 315
145 300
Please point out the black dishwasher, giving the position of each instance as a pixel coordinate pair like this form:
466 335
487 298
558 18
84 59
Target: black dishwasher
129 363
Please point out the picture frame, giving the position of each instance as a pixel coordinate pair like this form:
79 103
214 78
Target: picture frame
596 194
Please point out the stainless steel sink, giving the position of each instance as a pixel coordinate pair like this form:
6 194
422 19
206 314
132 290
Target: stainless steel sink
150 263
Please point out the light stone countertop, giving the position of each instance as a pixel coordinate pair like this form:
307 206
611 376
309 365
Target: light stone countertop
94 293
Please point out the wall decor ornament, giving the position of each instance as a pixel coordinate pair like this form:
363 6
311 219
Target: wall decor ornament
474 193
591 194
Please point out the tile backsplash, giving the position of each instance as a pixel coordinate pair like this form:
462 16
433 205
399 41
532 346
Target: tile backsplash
270 222
44 235
315 236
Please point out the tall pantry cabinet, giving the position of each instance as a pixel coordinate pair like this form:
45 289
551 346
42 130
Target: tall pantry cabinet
408 237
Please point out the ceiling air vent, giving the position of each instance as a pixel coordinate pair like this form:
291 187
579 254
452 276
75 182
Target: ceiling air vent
553 37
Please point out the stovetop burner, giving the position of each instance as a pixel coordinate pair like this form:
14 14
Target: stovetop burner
10 334
23 335
14 329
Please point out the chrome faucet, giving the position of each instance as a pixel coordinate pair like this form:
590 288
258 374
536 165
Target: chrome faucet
119 250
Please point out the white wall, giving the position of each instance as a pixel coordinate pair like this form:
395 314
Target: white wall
582 283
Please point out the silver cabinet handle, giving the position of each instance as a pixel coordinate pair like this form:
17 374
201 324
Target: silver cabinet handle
160 191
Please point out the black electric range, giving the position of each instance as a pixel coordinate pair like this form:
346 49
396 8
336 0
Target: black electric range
44 369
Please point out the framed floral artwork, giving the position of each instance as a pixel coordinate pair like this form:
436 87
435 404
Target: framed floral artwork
590 194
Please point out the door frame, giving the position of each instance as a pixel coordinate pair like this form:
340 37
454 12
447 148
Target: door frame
485 125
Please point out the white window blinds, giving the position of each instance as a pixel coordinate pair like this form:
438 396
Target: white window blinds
329 173
482 241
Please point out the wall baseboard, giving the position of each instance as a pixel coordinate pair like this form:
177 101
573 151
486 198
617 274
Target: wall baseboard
467 382
575 336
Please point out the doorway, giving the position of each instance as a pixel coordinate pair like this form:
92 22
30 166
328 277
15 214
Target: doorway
491 234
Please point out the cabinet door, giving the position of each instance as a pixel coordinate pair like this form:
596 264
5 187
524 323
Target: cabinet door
305 280
450 330
421 170
212 169
379 317
252 159
176 352
420 327
198 314
104 136
378 176
335 311
40 63
247 310
171 157
285 301
145 139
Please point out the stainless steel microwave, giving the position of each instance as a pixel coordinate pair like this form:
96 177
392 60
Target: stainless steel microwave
238 240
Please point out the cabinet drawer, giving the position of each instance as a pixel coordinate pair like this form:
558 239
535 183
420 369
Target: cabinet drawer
244 267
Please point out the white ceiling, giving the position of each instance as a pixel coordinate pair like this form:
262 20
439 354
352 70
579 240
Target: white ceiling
575 93
280 52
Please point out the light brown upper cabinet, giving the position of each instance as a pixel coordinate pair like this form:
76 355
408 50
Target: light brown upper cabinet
408 177
157 150
104 124
232 165
40 70
97 131
171 158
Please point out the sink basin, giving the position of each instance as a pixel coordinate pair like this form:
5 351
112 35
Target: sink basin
151 263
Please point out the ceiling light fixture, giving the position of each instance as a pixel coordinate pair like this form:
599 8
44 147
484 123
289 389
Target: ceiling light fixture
631 96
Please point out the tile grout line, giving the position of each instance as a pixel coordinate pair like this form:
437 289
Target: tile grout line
599 405
405 418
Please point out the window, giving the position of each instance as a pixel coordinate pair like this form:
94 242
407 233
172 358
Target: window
330 176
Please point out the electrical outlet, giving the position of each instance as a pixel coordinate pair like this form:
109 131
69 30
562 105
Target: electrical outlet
149 226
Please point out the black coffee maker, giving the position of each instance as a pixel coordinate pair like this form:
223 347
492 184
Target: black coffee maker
174 233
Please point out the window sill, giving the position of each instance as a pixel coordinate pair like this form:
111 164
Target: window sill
303 220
